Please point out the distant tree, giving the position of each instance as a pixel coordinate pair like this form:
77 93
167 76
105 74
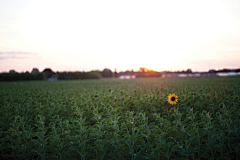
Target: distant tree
115 73
79 75
142 69
106 73
35 70
212 71
145 72
48 72
12 71
226 70
15 76
94 75
189 70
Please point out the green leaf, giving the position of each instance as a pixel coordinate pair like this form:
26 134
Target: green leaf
195 150
71 148
175 147
10 146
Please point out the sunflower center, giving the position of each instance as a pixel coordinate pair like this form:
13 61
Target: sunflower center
173 99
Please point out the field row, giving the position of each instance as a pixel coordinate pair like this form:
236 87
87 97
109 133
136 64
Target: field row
121 119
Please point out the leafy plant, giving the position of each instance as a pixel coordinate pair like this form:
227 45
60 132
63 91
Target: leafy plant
121 119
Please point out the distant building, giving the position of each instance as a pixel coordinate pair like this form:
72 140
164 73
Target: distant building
182 75
170 74
210 73
127 77
196 74
35 70
232 73
225 74
222 74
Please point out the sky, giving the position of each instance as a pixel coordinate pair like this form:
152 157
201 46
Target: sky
125 34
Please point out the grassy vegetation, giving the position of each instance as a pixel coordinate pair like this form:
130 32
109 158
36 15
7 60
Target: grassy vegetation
121 119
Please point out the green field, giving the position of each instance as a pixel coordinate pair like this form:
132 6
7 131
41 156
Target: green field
121 119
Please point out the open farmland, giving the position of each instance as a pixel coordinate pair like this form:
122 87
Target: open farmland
121 119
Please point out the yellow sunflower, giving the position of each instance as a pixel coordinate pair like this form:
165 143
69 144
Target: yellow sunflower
172 99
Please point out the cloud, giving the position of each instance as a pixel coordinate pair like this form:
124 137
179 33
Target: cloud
15 55
1 58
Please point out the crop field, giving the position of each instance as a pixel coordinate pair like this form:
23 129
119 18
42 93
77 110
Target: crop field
121 119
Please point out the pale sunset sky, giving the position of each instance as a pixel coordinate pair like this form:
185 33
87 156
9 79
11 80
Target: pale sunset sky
125 34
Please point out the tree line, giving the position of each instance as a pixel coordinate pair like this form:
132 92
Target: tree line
48 73
15 76
95 74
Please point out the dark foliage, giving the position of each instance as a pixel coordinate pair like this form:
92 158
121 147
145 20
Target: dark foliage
15 76
79 75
